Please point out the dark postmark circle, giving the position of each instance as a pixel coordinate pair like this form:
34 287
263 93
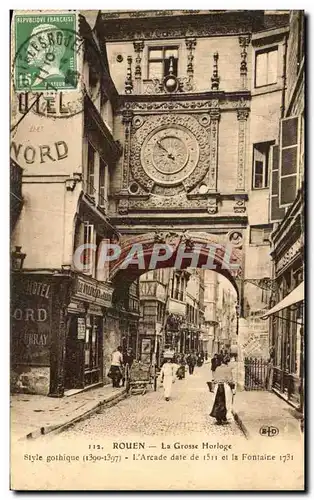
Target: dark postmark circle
48 76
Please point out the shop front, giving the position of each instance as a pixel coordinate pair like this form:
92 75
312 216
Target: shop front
57 340
89 302
31 328
287 353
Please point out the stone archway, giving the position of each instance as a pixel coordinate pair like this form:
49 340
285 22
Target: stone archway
228 261
188 249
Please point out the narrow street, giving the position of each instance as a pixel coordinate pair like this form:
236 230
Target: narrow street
187 413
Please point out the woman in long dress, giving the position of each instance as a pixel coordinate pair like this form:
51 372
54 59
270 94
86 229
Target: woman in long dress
223 392
168 373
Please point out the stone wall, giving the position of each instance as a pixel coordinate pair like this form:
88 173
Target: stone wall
30 380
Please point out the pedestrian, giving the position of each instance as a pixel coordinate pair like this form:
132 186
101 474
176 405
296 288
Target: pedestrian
223 392
191 362
115 372
168 373
206 355
214 364
128 359
181 369
200 359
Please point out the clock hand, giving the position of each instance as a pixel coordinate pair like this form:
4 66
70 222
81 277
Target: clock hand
171 156
162 147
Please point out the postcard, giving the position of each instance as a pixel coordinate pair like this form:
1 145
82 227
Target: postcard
157 250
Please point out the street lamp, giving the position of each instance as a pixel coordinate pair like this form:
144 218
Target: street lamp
17 259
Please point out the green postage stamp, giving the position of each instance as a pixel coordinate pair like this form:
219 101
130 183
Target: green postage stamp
46 52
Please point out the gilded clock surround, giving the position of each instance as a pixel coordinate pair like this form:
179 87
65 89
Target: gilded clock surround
186 161
169 154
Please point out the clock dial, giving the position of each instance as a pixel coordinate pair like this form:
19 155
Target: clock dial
169 154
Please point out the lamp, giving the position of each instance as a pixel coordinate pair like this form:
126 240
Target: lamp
17 259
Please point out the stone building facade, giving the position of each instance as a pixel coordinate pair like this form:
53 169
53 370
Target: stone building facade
200 100
65 320
172 312
173 143
287 214
221 309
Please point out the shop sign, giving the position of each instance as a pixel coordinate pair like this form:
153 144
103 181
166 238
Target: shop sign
294 249
81 329
94 310
31 321
89 291
76 307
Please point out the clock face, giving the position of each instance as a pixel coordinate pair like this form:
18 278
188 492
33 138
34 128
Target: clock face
169 154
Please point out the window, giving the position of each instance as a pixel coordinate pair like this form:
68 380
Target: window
102 184
289 160
261 164
260 235
160 309
276 213
266 67
88 254
90 170
162 61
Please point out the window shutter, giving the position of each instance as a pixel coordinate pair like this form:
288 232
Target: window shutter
89 252
276 213
289 160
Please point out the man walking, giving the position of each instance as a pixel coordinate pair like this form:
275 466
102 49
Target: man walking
116 367
128 359
191 362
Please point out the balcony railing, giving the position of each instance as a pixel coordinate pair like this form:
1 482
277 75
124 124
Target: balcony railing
94 197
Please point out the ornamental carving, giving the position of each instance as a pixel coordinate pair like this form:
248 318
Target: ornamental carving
126 119
239 207
214 25
244 42
178 106
242 117
169 150
235 238
123 206
212 173
156 86
212 207
167 202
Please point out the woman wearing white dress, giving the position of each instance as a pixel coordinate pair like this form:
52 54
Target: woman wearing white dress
168 373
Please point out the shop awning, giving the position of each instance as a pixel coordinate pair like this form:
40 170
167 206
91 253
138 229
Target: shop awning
297 295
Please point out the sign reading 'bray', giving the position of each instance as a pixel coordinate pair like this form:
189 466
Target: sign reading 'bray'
98 293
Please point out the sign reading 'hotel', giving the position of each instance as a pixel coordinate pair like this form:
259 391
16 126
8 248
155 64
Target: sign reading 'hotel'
98 293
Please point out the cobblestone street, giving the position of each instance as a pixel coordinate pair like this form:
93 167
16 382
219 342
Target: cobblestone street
187 413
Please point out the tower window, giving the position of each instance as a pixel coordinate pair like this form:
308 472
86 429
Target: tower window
266 67
162 61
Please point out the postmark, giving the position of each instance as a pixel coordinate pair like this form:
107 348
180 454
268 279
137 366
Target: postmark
48 74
